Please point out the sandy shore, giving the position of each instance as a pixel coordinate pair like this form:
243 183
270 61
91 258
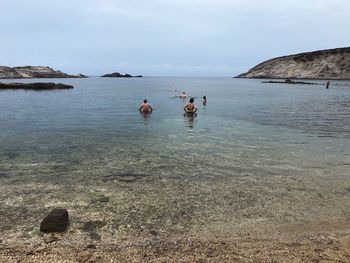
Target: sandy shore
293 243
285 216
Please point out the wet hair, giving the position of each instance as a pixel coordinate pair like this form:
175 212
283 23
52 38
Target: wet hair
144 101
192 100
204 97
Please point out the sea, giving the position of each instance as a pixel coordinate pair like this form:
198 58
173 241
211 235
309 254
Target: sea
255 152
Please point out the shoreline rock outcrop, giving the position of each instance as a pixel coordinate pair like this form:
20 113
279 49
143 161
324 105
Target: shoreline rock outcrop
323 64
119 75
34 72
289 81
35 86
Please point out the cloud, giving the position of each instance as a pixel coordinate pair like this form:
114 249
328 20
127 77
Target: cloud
91 35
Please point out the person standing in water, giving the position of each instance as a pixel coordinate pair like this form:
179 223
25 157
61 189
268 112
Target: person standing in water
190 107
327 84
204 100
145 107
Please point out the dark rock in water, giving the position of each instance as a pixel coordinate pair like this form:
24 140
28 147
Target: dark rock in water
4 175
103 199
56 221
119 75
128 178
123 177
35 86
289 81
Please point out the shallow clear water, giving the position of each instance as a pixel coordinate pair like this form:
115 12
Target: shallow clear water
60 148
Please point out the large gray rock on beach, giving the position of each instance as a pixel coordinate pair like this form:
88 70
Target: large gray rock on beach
35 86
34 72
56 221
322 64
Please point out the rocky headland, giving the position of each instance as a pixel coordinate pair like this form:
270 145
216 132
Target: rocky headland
35 86
119 75
322 64
34 72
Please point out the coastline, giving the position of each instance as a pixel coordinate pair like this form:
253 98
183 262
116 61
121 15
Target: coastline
290 243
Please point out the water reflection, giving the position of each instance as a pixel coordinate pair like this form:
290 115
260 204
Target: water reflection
189 119
146 115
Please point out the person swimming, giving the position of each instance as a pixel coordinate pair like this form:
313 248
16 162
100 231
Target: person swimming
183 95
145 107
190 107
204 100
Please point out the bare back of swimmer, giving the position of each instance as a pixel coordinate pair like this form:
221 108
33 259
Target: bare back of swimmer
190 107
145 107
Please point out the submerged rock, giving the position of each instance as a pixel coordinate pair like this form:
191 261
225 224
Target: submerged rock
92 226
56 221
128 178
4 175
102 199
35 86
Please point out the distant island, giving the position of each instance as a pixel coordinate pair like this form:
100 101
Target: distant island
119 75
323 64
34 72
35 86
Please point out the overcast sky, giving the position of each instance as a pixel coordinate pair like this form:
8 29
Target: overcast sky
166 37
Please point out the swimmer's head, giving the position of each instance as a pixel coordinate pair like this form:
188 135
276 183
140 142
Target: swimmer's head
192 100
145 101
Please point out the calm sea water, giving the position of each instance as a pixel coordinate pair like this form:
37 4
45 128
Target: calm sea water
93 135
243 119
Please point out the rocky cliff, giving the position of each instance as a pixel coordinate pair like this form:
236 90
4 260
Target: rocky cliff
322 64
33 72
